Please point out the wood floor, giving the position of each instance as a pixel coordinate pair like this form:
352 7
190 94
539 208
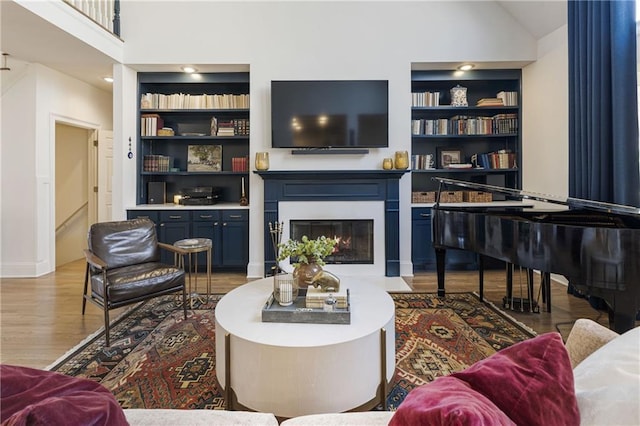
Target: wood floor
40 318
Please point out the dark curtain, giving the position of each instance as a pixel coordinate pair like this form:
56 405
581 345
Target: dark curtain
603 104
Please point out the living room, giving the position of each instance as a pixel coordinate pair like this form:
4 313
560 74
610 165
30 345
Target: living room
392 55
278 41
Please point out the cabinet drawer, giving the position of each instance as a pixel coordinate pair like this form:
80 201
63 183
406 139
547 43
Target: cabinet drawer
146 214
205 215
235 215
174 216
422 213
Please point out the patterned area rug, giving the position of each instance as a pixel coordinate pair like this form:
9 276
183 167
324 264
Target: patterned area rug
160 360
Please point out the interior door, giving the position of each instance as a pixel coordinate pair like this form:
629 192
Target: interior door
105 175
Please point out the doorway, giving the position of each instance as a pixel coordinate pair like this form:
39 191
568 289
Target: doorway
83 176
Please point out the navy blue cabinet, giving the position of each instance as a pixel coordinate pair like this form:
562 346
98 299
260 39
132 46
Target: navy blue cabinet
173 226
227 229
235 238
423 255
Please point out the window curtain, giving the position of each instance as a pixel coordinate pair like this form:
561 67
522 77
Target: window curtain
603 103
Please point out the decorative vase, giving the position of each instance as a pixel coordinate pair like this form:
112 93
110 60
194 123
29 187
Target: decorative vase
305 272
401 160
262 161
459 96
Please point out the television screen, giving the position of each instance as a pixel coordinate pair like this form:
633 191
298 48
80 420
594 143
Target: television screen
330 114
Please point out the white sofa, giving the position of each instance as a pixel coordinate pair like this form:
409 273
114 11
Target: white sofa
606 378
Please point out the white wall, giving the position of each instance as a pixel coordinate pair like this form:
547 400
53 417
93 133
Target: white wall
30 109
545 126
278 40
319 40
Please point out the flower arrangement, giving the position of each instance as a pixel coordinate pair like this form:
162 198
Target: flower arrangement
306 250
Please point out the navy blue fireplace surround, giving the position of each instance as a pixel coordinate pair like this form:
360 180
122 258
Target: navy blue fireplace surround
336 185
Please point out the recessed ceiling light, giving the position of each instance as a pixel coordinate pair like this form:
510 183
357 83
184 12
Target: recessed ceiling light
108 79
189 69
466 67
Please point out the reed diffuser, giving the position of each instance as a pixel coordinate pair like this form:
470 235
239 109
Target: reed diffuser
285 285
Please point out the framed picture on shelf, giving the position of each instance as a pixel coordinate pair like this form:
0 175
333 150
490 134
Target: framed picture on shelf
447 156
204 158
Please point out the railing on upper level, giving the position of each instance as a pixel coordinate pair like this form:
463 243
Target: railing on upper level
105 13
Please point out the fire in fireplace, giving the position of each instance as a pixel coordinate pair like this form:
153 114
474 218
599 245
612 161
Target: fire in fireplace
355 238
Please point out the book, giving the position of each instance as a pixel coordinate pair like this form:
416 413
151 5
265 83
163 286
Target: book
150 123
315 297
490 102
508 98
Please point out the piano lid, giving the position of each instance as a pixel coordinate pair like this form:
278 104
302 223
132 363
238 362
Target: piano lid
518 194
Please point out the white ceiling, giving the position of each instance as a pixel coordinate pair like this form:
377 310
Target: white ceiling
539 18
28 38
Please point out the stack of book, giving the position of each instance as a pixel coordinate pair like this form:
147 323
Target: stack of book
425 99
156 163
241 126
466 125
421 161
315 298
490 102
150 123
189 101
508 98
240 164
226 128
503 159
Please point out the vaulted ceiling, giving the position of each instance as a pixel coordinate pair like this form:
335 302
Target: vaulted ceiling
29 38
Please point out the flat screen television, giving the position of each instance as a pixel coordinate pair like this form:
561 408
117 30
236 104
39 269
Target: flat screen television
330 114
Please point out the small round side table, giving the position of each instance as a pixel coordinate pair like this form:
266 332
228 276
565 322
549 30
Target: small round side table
193 246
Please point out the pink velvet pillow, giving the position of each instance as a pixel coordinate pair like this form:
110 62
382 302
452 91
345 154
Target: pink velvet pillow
39 397
448 401
531 382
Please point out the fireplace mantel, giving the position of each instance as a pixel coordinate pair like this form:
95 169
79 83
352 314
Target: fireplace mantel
336 185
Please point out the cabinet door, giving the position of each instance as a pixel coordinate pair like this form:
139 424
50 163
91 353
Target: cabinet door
206 224
235 238
174 226
422 253
146 214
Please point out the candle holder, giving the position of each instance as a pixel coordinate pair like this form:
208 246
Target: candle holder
285 288
401 159
262 161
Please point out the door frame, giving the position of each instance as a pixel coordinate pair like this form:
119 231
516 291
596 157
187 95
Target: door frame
69 121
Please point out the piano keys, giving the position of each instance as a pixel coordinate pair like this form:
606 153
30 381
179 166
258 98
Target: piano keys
595 245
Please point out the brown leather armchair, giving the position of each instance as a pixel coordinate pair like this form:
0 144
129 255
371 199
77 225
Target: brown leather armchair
123 266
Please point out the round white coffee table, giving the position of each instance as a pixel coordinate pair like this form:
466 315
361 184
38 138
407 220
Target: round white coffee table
293 369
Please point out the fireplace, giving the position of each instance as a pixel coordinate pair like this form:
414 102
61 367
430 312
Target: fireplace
331 218
354 238
335 195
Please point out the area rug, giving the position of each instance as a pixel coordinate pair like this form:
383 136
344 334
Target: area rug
160 360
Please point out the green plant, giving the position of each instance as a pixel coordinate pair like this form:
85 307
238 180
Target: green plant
306 250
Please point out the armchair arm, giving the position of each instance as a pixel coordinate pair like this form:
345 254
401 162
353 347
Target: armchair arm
585 337
94 260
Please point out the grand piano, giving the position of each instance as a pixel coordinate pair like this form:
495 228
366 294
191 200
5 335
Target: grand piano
595 245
